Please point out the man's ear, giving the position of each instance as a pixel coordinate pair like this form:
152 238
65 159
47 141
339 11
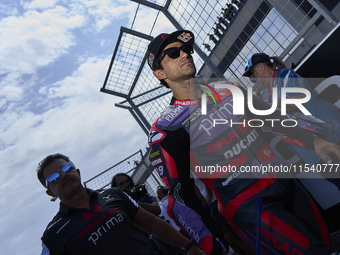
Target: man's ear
262 66
50 193
159 74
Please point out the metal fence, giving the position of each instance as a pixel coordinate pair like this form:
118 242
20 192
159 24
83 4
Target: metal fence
137 166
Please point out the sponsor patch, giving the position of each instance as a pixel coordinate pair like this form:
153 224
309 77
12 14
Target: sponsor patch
266 153
151 58
184 37
187 102
156 153
174 113
156 161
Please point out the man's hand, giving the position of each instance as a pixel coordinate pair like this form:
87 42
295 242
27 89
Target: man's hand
194 250
324 149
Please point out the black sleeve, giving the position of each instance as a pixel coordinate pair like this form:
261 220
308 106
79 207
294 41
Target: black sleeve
130 204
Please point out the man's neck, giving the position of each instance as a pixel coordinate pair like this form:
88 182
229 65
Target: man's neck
78 199
186 90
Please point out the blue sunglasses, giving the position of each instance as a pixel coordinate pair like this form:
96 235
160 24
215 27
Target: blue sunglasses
54 177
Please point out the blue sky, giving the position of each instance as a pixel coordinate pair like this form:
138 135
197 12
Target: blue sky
54 55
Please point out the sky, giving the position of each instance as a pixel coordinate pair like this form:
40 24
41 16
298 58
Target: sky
54 55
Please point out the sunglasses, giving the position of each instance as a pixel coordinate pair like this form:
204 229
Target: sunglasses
174 52
54 177
124 182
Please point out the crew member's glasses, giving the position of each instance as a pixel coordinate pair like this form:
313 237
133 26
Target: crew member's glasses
124 182
174 52
54 177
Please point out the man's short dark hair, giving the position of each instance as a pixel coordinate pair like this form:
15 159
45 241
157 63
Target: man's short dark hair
163 82
114 182
45 162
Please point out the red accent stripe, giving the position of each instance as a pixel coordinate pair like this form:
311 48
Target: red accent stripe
285 229
221 209
310 128
153 128
294 142
170 163
213 90
253 190
321 222
223 212
207 244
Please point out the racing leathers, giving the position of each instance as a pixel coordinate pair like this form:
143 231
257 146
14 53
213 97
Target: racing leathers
184 139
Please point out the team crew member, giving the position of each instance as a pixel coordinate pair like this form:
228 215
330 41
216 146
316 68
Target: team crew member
98 222
271 72
125 182
182 139
162 193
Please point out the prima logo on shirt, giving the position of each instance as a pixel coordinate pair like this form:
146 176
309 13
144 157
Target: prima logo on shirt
100 225
188 229
103 229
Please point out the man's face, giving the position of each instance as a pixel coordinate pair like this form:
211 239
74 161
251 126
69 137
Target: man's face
257 73
67 182
160 193
123 182
180 68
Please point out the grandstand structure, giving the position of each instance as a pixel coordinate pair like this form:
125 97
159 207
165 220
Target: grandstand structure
226 33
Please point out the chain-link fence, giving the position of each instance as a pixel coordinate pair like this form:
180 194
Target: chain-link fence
137 166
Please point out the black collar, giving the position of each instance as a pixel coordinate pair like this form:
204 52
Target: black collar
66 210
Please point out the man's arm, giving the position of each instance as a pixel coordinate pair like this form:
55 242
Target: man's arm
163 231
148 203
322 147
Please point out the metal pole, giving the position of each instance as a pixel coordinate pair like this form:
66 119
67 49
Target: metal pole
324 12
202 55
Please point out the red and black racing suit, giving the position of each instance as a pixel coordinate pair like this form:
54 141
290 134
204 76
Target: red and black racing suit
183 139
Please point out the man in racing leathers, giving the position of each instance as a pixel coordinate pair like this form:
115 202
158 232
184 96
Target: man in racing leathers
183 138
